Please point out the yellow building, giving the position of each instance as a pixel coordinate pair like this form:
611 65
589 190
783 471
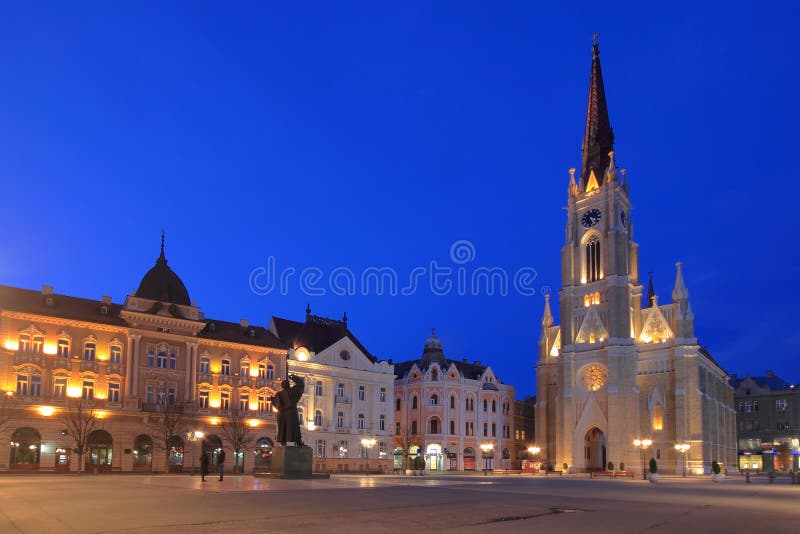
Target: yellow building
147 381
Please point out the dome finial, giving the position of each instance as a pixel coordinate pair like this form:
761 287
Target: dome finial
162 256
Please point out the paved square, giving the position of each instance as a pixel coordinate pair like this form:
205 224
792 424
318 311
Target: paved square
181 503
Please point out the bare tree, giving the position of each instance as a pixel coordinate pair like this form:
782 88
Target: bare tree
80 417
405 440
8 402
167 424
238 434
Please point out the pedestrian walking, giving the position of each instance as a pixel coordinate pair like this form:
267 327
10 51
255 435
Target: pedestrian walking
221 463
203 465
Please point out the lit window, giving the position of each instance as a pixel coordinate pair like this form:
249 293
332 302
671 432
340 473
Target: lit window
226 367
382 422
320 448
60 388
203 399
658 417
262 371
161 362
24 343
38 344
780 405
205 365
244 402
113 392
88 390
270 372
22 385
318 418
225 400
173 360
262 403
63 348
592 252
115 355
89 351
36 386
244 370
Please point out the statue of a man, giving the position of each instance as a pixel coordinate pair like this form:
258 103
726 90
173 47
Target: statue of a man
286 402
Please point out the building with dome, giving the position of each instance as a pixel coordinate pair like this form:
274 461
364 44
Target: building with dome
142 379
617 371
456 414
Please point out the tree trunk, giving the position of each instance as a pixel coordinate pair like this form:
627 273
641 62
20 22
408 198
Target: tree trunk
80 462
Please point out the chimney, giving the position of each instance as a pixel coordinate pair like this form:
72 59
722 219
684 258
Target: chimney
770 373
244 323
106 299
47 290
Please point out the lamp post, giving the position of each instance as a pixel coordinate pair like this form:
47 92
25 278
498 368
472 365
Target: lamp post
367 443
194 437
642 444
683 448
487 449
532 452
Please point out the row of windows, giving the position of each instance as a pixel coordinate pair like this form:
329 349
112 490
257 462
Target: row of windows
361 421
265 371
469 404
34 344
434 427
31 386
749 406
341 449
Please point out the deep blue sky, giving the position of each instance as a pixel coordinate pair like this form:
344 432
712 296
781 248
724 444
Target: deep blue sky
342 134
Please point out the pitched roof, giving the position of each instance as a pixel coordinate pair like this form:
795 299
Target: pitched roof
316 334
236 333
771 381
62 306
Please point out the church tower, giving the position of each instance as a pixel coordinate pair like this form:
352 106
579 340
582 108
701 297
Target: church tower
587 366
612 371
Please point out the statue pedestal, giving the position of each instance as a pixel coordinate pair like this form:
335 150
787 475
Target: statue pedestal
292 462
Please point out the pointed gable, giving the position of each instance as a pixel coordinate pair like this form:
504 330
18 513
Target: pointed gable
655 327
592 328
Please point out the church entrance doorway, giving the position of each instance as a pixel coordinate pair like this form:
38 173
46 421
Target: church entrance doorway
595 450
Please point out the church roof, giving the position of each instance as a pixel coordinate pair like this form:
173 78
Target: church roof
316 333
598 139
162 284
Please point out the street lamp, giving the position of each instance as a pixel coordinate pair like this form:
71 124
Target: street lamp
194 437
367 443
487 448
642 444
683 448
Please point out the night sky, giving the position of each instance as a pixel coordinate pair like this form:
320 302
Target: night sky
344 135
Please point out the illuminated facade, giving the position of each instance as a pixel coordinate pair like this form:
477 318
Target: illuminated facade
348 397
131 363
446 409
613 371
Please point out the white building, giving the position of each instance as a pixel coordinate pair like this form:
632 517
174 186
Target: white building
348 394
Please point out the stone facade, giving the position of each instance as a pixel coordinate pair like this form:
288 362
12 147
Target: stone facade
446 409
614 371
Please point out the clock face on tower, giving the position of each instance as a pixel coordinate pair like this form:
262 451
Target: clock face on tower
591 218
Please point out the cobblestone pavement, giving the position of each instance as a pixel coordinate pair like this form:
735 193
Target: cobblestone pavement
183 504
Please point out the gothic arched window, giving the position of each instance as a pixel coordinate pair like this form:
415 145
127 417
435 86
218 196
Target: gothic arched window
658 417
593 259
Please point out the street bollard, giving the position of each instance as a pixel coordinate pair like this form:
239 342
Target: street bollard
747 476
771 477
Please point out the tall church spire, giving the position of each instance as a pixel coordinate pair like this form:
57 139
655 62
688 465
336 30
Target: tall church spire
598 140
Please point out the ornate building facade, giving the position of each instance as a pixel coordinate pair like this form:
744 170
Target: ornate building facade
346 411
447 409
144 377
614 371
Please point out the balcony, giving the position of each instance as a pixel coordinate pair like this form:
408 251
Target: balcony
341 399
265 383
29 357
87 365
225 379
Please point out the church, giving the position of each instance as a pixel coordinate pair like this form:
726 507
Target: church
621 380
